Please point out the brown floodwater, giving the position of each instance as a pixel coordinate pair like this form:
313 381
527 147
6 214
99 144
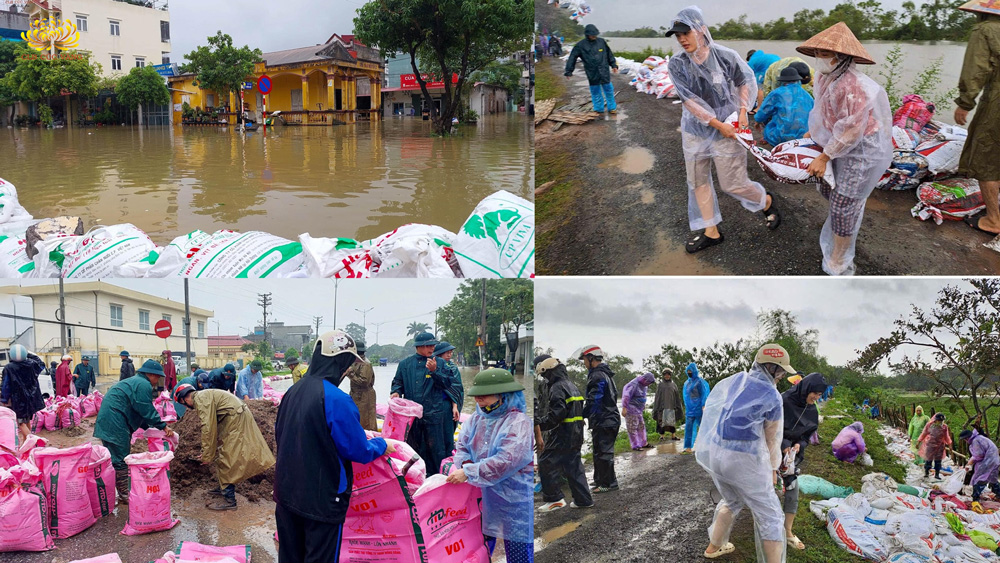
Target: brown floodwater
357 181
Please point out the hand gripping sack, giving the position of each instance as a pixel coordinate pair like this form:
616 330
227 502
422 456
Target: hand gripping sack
400 417
451 521
381 525
23 522
193 551
101 482
415 468
851 533
788 162
65 473
158 441
952 200
8 429
149 493
498 239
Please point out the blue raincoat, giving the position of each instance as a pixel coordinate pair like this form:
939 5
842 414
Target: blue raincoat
759 63
497 458
250 384
695 392
785 113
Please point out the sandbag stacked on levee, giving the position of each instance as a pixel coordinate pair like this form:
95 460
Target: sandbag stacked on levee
651 76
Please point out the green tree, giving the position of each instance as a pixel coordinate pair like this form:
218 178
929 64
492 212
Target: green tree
142 86
220 66
509 305
502 73
452 37
291 352
416 328
36 78
356 331
9 51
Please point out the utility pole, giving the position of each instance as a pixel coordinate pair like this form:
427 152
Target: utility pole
62 316
187 327
336 284
377 325
265 301
317 321
482 329
364 319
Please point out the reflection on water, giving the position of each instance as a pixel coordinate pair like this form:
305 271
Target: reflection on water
356 181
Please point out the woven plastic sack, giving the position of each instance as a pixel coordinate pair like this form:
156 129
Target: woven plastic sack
812 485
399 419
158 441
24 525
14 261
69 417
108 558
451 521
193 551
416 473
101 482
498 238
122 251
8 429
914 114
953 485
907 170
852 534
951 200
29 444
65 473
788 162
228 254
149 493
381 524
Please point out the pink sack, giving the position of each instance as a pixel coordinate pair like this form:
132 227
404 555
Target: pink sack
8 429
193 551
109 558
399 419
23 526
914 114
88 407
64 476
101 482
452 522
38 422
417 471
158 441
8 460
69 418
50 421
381 524
98 399
30 443
149 494
164 406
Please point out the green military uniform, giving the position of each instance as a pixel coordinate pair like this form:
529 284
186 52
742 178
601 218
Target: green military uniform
980 73
127 407
362 377
230 437
84 378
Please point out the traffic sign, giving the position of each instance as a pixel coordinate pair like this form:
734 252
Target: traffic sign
163 328
248 85
479 343
264 84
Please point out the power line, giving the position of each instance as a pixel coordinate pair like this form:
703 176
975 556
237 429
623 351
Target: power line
121 330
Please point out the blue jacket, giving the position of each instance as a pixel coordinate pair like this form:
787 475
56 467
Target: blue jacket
250 384
695 392
785 113
759 62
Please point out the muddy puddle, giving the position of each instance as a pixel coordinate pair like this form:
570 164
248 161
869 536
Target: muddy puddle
668 257
635 160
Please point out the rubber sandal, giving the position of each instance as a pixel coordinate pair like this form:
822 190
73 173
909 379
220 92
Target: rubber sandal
974 223
772 216
724 550
700 242
794 541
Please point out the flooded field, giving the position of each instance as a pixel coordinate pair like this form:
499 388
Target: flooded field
355 181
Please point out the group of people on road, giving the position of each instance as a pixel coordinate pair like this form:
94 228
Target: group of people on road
547 44
831 101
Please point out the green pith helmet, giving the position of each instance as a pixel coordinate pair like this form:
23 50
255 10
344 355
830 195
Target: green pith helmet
494 381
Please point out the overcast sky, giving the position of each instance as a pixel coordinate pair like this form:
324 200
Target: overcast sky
610 15
635 316
264 24
397 302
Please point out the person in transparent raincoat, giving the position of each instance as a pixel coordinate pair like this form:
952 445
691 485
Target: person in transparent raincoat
852 121
633 405
494 453
740 447
713 82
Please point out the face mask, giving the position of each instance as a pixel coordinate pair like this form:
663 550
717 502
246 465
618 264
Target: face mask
824 66
493 407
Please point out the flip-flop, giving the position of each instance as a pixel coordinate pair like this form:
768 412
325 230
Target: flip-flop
724 550
974 223
795 542
701 242
772 216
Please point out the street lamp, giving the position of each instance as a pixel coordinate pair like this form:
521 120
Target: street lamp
364 319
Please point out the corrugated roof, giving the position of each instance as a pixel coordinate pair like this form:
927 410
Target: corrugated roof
331 50
227 341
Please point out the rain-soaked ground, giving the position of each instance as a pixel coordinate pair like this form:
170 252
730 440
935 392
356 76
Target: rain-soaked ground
357 181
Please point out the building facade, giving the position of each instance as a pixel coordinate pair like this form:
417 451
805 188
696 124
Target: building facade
282 336
98 304
337 82
227 349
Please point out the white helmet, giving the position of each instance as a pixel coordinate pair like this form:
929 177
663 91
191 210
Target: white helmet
68 357
18 353
589 350
336 342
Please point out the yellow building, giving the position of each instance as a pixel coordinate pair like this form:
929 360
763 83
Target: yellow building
339 81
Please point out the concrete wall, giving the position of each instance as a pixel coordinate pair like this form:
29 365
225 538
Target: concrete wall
140 32
486 99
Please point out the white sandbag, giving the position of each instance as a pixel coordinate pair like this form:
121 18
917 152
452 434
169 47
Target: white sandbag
873 482
819 508
866 460
120 251
498 239
905 557
789 161
858 503
942 156
953 485
878 517
229 254
414 251
913 523
852 534
335 257
11 210
14 261
965 552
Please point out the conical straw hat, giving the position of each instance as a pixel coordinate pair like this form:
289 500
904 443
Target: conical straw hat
982 6
839 39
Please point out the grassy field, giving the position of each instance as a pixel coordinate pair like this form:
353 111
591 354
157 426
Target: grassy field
819 461
639 56
547 83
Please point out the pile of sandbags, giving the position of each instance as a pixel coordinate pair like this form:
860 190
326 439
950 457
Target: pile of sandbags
578 8
952 200
65 412
497 240
651 76
923 149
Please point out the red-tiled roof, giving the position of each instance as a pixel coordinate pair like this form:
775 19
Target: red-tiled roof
220 341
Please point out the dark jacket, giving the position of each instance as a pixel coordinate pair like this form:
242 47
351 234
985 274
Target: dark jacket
597 60
562 418
19 388
128 369
319 436
85 376
223 380
127 407
601 409
801 418
414 382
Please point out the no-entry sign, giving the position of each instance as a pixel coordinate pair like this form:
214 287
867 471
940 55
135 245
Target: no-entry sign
264 84
163 328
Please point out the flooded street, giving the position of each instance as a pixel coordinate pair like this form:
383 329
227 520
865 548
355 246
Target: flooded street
357 181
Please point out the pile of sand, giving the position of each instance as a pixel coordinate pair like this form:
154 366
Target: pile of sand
188 475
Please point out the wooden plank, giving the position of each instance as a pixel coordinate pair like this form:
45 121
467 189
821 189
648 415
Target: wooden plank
543 109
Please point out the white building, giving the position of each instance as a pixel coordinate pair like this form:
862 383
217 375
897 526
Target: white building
118 34
129 317
487 99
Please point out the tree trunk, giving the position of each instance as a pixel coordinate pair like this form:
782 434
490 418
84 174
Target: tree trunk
139 110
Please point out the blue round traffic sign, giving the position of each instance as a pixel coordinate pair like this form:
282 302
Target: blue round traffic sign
264 84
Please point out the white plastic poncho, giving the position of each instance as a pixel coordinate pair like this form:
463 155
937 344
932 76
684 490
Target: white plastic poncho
712 82
739 445
852 121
